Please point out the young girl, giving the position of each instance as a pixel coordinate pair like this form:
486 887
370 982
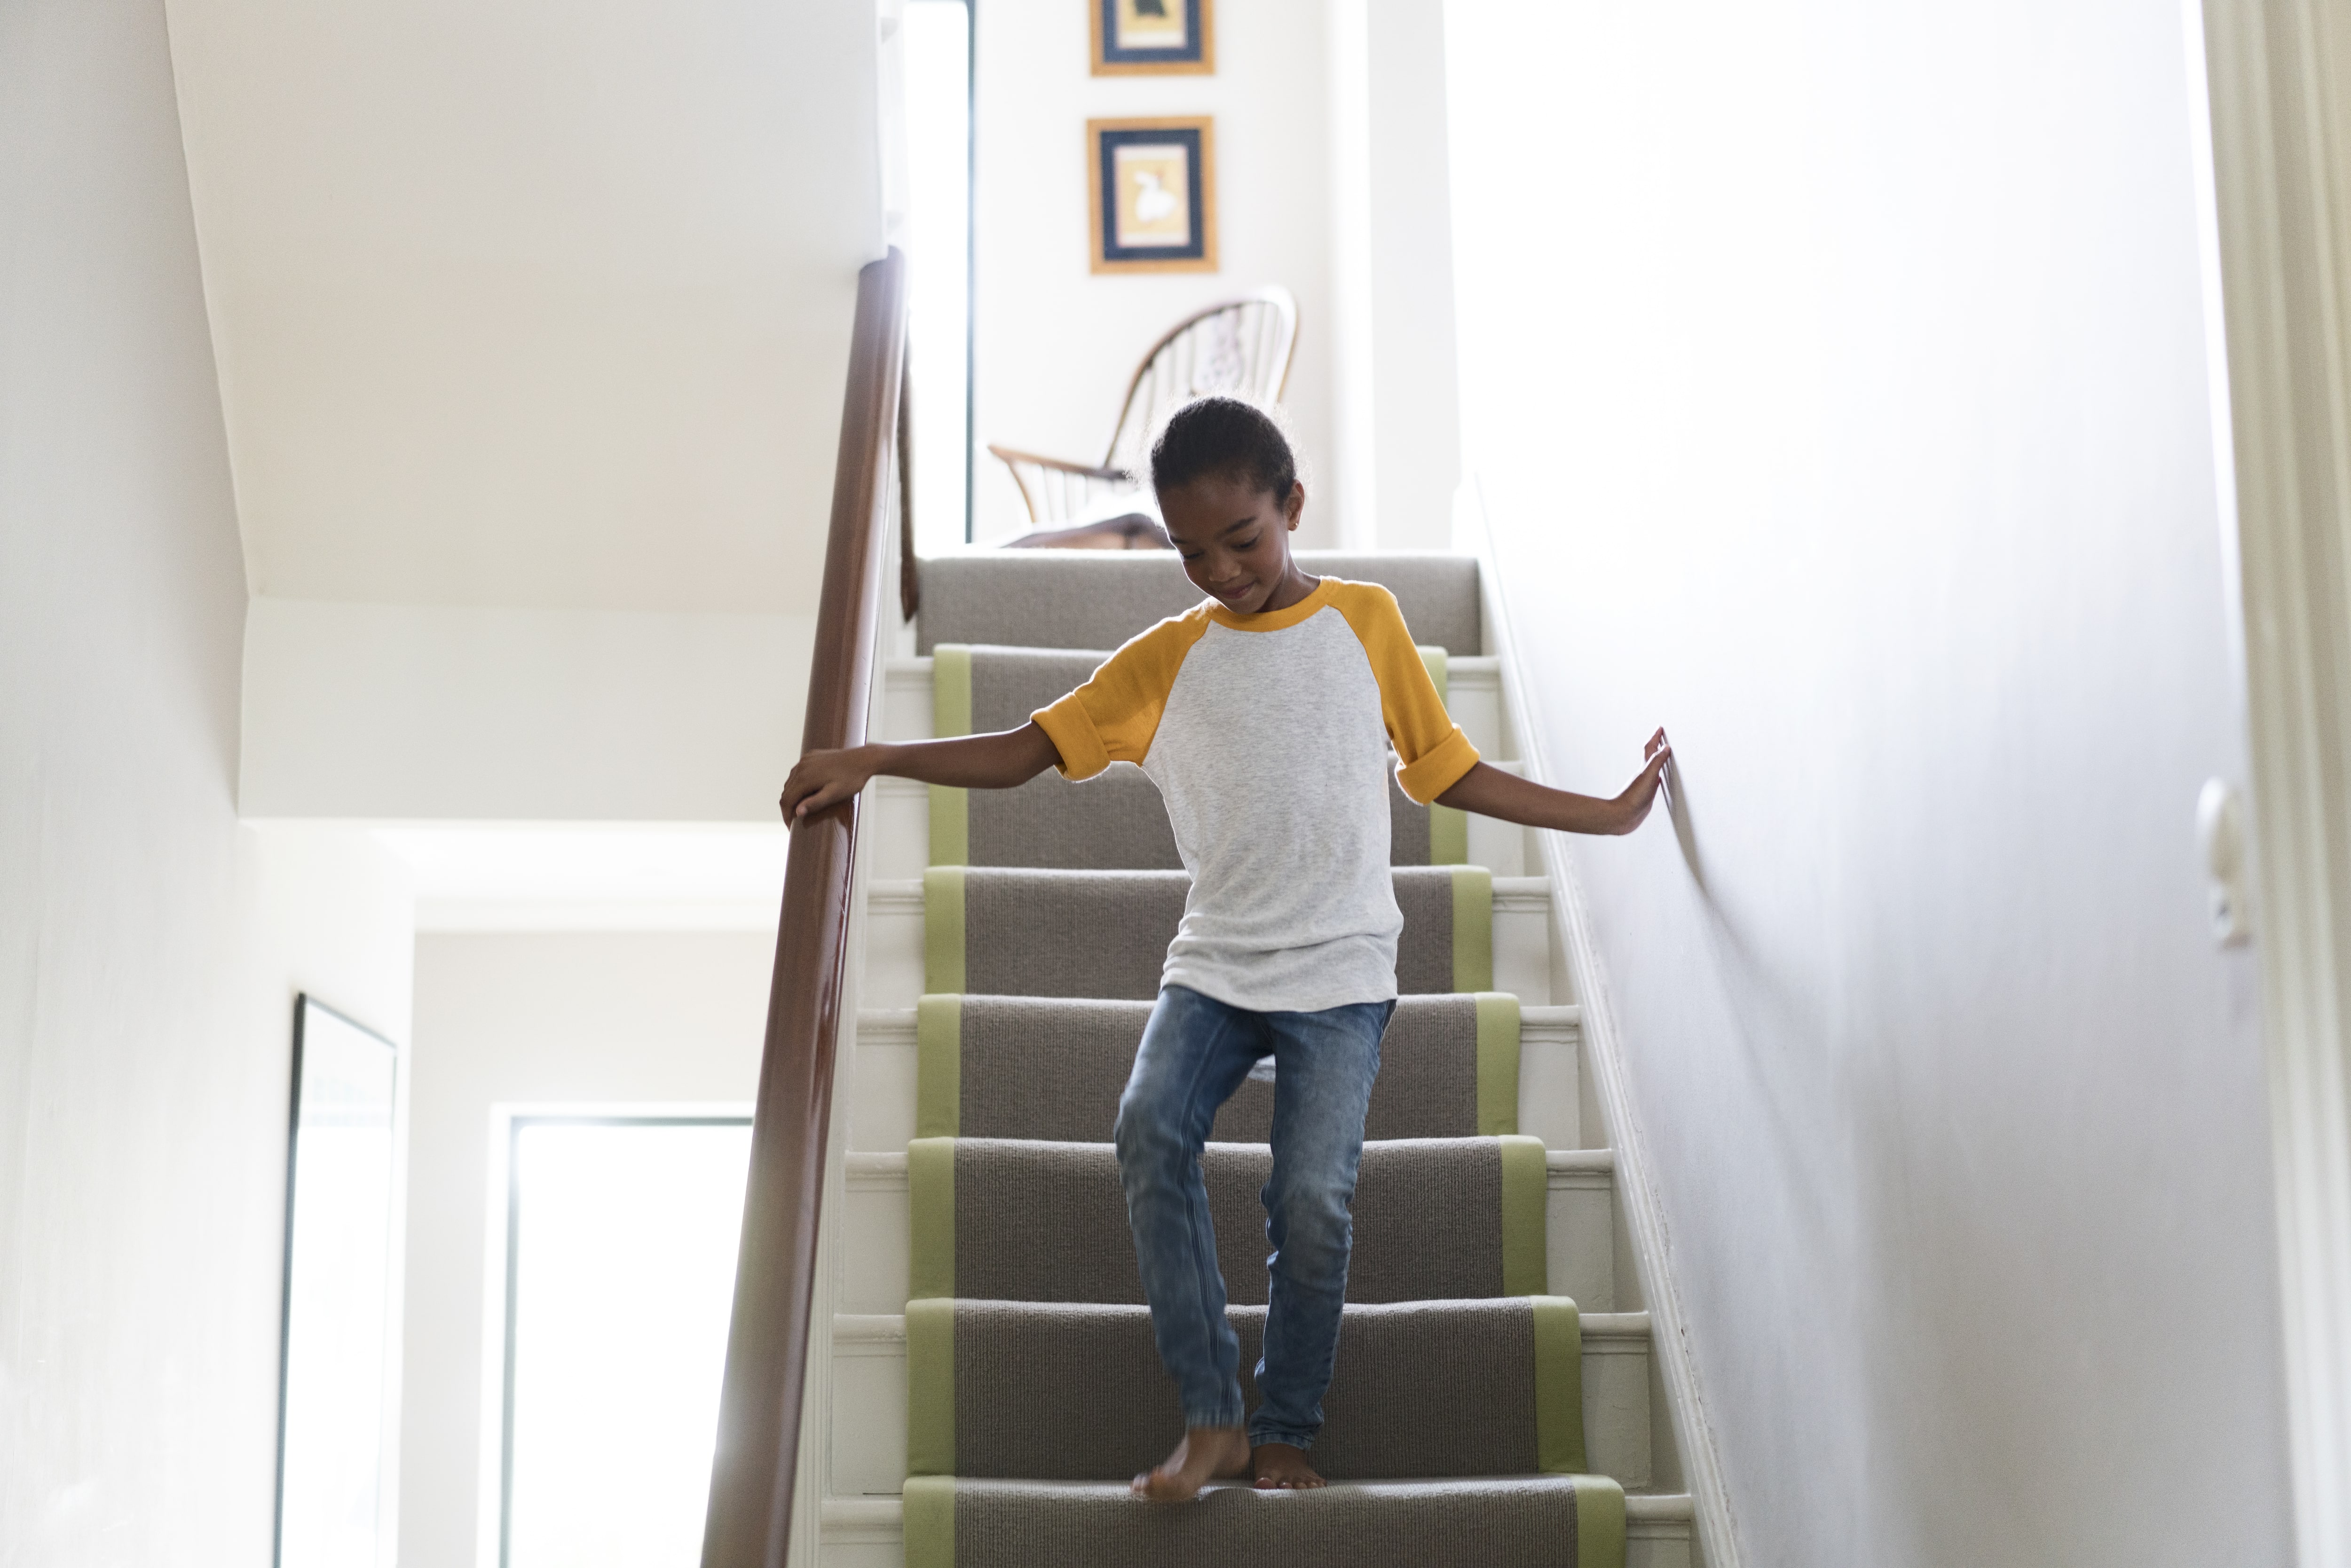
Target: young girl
1265 715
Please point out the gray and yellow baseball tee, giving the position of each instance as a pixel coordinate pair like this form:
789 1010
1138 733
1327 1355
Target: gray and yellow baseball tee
1269 736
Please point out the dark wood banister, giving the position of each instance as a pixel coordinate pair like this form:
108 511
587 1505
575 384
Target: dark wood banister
749 1523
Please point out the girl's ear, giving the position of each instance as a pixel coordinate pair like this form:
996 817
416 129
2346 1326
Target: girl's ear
1293 507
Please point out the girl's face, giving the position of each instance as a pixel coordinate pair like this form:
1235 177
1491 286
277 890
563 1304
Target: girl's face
1234 541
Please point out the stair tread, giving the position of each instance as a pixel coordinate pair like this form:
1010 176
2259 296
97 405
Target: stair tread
1053 1067
1099 599
1662 1507
1029 1220
1427 1387
1023 931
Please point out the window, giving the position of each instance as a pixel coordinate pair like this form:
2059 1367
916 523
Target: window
620 1269
938 69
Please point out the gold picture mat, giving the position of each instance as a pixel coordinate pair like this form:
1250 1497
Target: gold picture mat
1101 226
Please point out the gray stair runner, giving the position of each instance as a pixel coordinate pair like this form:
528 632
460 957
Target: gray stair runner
1454 1420
1073 1391
1091 598
1014 1220
1051 1068
1008 931
1520 1522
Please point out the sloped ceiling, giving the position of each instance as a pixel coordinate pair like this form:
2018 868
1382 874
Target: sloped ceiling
521 302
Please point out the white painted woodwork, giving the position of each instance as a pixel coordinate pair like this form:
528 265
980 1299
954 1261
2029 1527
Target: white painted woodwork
2279 79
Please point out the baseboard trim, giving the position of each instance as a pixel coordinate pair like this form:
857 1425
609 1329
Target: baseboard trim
1716 1525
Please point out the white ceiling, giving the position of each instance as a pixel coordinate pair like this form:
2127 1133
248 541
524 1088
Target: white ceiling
530 303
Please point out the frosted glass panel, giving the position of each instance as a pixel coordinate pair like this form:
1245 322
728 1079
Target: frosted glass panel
622 1276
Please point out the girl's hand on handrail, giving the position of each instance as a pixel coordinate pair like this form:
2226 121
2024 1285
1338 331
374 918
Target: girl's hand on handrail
824 780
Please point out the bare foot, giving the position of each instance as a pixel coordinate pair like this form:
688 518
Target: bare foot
1205 1453
1280 1468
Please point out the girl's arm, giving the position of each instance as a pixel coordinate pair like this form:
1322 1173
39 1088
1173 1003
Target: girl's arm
1000 761
1490 792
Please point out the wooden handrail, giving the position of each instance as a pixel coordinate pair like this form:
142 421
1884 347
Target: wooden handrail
749 1523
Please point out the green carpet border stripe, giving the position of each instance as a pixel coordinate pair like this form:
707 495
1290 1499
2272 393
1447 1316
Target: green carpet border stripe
943 944
1435 658
1449 836
930 1387
950 825
1473 929
1558 1386
1497 1063
1526 1264
951 689
1599 1523
931 1217
929 1521
950 715
938 1066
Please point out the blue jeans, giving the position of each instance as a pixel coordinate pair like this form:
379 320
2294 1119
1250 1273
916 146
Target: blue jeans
1196 1052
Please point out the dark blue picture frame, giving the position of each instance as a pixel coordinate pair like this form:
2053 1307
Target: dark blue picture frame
1106 145
1194 53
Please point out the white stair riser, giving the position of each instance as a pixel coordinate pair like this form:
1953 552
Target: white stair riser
1579 1237
881 1086
893 943
869 1455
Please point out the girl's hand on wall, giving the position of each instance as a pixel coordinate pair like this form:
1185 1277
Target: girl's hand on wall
1642 792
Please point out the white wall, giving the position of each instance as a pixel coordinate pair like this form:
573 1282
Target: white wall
525 304
393 711
1835 380
150 947
603 1017
1397 415
1056 344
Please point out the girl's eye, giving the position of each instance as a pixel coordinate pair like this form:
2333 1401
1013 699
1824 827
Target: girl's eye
1248 543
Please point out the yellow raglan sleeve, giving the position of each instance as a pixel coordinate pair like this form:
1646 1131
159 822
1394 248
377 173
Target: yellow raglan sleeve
1113 715
1432 754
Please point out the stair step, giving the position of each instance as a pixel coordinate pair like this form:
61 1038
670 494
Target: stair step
1023 1067
1053 1067
868 1533
899 926
1419 1389
871 1377
1099 599
1014 1220
1578 1232
1528 1522
1017 932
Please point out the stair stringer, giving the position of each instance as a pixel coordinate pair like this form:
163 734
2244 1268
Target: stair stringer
1685 1436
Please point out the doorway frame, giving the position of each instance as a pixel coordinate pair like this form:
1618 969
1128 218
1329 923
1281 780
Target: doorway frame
2275 78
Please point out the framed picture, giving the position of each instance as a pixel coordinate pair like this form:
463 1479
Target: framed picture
1154 37
1152 194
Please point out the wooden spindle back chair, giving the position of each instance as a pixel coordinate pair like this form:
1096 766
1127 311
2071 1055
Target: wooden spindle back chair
1241 347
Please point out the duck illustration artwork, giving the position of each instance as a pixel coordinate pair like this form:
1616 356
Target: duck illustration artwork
1154 201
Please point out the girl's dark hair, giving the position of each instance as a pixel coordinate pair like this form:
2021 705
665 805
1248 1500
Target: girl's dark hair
1225 437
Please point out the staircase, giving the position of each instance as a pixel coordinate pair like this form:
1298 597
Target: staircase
982 1379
